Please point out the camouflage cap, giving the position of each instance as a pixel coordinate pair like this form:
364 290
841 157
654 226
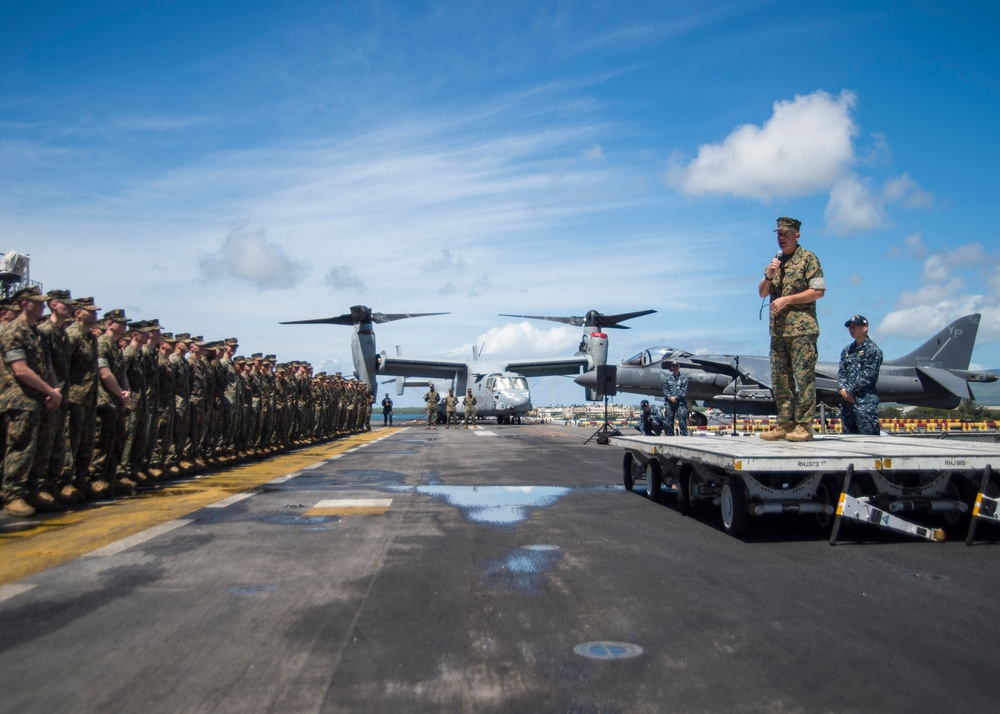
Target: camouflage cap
62 296
167 337
136 325
257 355
231 341
86 303
30 293
116 315
271 358
788 224
860 320
183 337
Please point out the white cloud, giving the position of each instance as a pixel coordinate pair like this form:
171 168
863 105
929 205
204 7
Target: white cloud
852 207
446 260
940 299
906 191
248 256
594 153
913 247
524 341
341 277
805 147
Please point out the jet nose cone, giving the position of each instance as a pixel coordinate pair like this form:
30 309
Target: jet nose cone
587 379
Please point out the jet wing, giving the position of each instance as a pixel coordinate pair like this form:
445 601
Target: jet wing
430 368
757 369
943 378
552 367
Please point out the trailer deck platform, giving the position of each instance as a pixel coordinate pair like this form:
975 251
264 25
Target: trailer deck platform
744 475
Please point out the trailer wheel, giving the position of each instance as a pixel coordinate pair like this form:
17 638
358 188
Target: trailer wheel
684 503
734 508
958 490
627 479
827 493
654 480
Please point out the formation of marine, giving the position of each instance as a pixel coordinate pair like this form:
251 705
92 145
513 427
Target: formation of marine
96 407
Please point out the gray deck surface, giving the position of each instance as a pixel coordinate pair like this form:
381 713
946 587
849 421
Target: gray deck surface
503 553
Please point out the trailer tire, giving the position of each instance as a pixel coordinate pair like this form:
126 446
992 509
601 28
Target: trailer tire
827 492
734 508
684 502
654 480
958 490
627 462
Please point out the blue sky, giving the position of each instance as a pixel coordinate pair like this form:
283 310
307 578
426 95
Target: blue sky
223 166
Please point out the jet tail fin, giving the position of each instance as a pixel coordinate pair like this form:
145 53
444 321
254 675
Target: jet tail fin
951 348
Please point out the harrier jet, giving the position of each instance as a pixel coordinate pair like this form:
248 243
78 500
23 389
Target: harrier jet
936 374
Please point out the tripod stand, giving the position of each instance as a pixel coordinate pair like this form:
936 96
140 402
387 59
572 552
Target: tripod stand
606 430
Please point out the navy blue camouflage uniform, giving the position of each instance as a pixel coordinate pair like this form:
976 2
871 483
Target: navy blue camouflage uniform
674 387
858 374
650 423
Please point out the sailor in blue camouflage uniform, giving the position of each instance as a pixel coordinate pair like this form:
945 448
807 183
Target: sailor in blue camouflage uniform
675 389
650 422
857 376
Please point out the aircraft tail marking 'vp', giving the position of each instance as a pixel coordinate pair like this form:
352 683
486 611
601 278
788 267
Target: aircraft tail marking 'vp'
951 348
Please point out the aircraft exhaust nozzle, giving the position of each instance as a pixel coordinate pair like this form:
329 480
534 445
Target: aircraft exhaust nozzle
599 348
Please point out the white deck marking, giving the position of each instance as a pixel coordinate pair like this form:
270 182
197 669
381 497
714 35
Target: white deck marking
232 499
9 591
126 543
314 466
483 432
350 507
286 477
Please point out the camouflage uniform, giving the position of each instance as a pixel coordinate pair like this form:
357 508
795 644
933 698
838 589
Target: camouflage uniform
82 402
196 407
230 412
858 373
451 409
166 390
469 402
794 332
650 423
134 455
23 407
110 442
431 405
674 386
182 400
53 442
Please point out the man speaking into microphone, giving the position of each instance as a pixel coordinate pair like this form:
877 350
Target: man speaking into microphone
794 281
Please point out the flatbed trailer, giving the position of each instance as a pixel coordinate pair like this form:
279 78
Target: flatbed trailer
871 479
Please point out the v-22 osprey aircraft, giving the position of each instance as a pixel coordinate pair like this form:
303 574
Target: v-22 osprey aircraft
936 374
500 387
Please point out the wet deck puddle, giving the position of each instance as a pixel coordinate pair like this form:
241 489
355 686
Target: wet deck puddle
496 505
521 570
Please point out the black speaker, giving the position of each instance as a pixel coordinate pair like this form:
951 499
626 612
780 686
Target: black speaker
607 379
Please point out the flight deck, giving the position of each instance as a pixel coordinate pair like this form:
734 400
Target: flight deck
873 479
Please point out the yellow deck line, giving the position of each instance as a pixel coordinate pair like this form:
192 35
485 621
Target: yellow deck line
48 541
350 507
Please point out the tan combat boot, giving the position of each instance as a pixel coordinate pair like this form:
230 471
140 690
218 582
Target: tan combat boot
801 433
69 494
19 507
42 500
779 433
